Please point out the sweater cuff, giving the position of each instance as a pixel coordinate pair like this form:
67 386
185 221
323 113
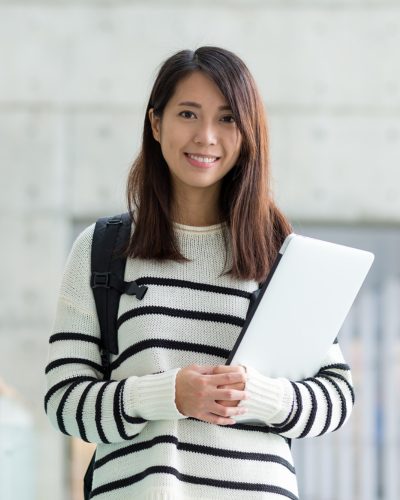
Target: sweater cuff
271 399
152 397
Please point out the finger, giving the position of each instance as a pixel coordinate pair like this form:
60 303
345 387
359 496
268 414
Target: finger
227 378
227 411
204 369
215 419
223 402
228 368
229 394
206 416
239 386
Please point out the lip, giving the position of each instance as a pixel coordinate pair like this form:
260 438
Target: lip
210 155
196 163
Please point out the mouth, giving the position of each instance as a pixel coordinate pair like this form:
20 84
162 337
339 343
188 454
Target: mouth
202 161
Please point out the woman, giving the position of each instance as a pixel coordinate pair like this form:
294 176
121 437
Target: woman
205 233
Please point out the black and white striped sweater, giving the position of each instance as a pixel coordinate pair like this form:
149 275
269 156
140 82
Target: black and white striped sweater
147 449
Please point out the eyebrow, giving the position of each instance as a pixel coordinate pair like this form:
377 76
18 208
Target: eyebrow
197 105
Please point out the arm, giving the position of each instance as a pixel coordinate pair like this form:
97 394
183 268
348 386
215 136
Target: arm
78 402
306 408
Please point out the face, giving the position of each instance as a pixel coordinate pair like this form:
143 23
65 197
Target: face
197 122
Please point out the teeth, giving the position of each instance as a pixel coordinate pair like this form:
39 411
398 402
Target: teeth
203 160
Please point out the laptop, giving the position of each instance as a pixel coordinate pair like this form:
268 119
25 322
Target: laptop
300 308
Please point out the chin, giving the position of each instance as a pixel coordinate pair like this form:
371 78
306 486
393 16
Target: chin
198 183
202 184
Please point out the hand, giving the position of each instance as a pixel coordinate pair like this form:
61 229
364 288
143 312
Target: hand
237 386
198 388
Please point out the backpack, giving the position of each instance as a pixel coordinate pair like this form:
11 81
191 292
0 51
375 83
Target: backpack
107 282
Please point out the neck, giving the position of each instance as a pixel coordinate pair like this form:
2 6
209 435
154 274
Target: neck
196 206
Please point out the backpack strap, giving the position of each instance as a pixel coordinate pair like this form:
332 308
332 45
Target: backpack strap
107 279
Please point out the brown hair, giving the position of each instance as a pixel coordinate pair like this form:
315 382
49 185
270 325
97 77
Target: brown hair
257 226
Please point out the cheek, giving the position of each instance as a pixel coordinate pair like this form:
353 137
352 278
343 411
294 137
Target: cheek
178 136
171 137
233 146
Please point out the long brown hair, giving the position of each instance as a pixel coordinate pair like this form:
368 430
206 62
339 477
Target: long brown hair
257 226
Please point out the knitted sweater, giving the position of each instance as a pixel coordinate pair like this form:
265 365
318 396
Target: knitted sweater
147 449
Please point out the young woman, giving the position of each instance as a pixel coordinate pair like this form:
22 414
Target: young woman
205 232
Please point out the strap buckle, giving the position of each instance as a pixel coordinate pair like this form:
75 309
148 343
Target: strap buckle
133 289
100 280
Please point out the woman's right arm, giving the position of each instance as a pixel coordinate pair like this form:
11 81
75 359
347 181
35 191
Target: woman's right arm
78 402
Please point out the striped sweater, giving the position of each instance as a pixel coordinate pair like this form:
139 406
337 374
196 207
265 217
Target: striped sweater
147 449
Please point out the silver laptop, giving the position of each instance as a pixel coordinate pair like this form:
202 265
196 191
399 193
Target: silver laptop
301 307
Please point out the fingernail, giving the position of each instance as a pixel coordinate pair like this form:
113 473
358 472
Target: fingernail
244 410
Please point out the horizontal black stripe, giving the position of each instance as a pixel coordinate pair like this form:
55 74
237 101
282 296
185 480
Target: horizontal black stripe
343 379
67 361
313 412
265 429
117 412
181 313
75 336
98 411
195 448
62 384
338 366
299 401
79 411
343 411
128 418
281 424
168 344
192 285
204 481
60 409
328 403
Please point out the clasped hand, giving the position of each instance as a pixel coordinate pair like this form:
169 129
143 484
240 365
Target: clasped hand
211 393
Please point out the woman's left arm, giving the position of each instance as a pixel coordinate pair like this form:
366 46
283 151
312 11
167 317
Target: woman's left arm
307 408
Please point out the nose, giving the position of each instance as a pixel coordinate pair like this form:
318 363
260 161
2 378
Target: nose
205 134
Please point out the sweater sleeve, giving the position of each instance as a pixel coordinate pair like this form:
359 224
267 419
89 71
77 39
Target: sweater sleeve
78 401
307 408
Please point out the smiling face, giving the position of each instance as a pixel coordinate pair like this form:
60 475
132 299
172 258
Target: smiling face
197 121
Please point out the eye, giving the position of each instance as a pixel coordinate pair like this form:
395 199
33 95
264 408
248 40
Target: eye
190 112
230 117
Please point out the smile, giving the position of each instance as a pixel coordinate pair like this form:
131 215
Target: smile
201 161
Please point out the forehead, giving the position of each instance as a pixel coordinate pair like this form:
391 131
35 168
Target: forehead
198 88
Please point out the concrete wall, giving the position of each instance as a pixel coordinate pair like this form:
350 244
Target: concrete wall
74 82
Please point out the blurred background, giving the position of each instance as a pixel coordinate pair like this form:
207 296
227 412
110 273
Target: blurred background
75 77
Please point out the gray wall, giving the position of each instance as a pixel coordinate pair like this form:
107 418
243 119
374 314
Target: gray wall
74 82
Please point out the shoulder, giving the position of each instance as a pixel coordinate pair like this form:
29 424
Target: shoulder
80 254
83 243
77 271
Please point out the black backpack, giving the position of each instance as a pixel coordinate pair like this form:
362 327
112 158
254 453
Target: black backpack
107 282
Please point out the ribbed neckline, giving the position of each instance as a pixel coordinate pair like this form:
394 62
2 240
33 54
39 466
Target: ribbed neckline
199 229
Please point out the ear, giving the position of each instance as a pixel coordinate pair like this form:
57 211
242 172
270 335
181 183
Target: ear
155 125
